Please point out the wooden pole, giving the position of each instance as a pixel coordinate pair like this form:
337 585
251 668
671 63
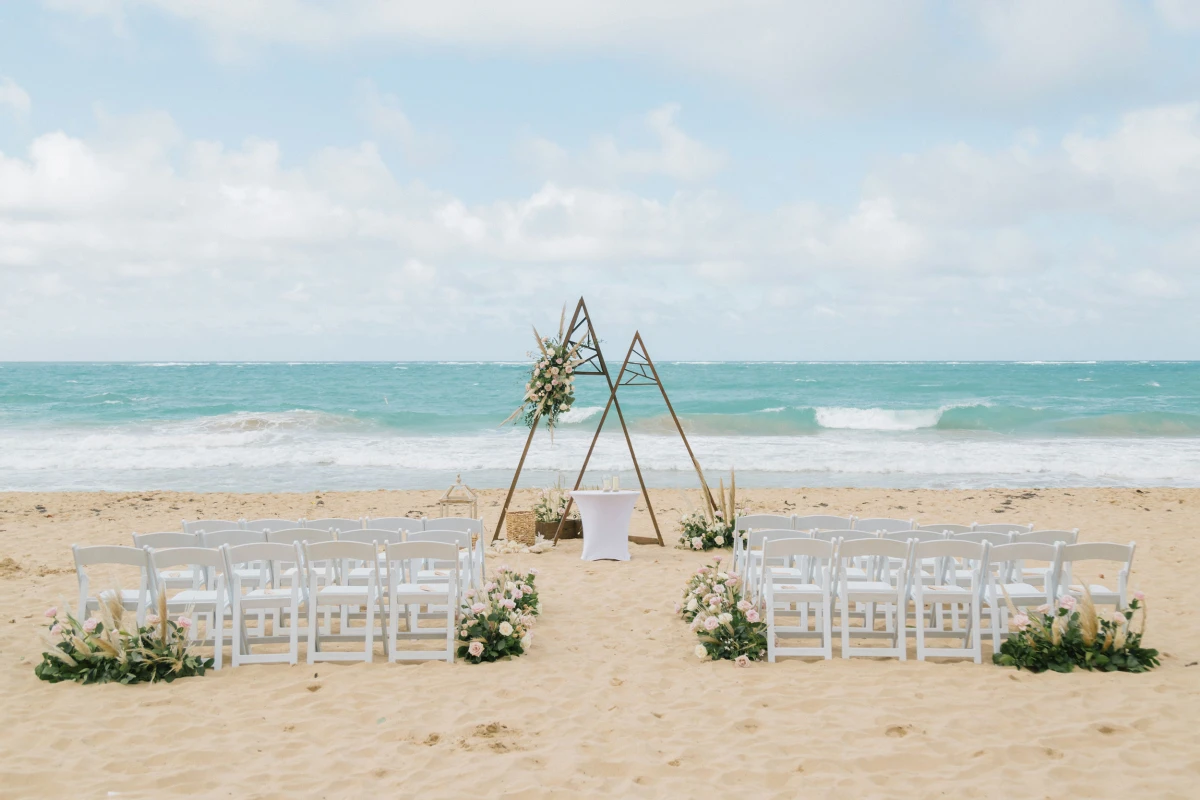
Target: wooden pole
678 426
516 475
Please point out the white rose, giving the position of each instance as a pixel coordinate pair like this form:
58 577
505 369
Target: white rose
526 640
700 652
725 618
506 629
692 605
720 540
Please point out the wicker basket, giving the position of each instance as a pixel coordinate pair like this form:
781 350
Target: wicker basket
572 530
521 527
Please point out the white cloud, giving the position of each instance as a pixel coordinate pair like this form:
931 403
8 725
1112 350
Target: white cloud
132 235
814 54
674 154
387 119
14 98
1183 15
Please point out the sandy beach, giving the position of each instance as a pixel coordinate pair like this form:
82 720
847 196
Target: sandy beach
610 702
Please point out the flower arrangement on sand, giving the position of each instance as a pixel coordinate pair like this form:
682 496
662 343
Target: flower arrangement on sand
727 625
111 649
551 387
1073 634
497 621
709 529
551 505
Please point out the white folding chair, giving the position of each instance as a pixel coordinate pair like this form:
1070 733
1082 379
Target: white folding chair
439 571
882 588
1122 554
464 525
811 588
202 525
112 555
407 593
945 589
750 522
211 602
320 561
944 527
753 556
358 572
175 578
884 524
1036 575
255 597
1004 527
855 572
924 569
1002 582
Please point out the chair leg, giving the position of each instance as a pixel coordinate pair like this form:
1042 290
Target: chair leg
770 630
845 627
294 635
235 638
218 636
450 625
314 633
920 615
369 635
975 632
826 611
902 629
393 623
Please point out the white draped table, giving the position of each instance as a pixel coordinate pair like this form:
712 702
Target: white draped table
606 518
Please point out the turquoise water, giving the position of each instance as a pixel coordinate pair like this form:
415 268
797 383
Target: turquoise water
300 426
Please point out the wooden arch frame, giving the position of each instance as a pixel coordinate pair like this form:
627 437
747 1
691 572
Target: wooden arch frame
637 370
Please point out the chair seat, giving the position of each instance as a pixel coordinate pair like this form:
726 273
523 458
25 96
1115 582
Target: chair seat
1094 589
1015 590
937 590
196 597
261 593
870 587
428 575
338 592
178 574
431 589
795 588
786 572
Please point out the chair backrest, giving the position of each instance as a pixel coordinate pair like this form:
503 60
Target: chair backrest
334 523
1021 551
822 522
751 522
185 556
202 525
405 559
1004 527
395 524
1048 537
886 558
945 527
920 536
756 538
271 525
371 535
258 551
804 551
292 535
991 537
231 538
108 554
884 524
1098 551
849 535
951 548
457 538
166 539
463 524
326 552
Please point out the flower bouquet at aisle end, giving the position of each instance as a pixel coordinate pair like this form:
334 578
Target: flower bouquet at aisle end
709 528
497 621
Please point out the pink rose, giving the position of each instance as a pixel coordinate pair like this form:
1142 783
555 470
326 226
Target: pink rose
508 603
153 619
57 629
718 558
184 623
1139 595
677 608
1020 621
517 595
752 616
1067 602
533 572
742 661
1117 618
1043 608
469 593
51 612
711 624
475 649
90 625
478 608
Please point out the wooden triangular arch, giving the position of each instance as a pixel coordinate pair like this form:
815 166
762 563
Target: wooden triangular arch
637 370
580 332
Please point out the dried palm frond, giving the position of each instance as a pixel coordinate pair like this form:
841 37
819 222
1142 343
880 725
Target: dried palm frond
707 504
162 614
562 320
1120 638
721 500
107 648
1012 609
732 494
54 652
1058 629
538 336
1089 624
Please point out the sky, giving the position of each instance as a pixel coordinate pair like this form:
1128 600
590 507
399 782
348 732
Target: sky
759 179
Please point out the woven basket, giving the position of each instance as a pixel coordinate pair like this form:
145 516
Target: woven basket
521 527
572 530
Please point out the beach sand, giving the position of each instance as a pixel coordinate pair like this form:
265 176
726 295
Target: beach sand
610 702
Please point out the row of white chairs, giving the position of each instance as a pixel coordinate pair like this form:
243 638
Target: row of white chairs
214 532
855 574
810 522
317 572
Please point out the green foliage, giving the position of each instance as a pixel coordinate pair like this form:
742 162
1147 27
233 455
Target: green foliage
497 622
1071 638
727 625
107 651
697 532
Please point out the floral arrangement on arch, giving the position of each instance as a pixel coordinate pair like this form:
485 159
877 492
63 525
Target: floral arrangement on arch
497 621
1073 634
112 650
728 625
709 529
551 387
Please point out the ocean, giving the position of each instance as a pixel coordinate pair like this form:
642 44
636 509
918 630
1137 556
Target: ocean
308 426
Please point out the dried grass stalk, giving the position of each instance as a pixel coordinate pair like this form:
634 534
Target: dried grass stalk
1089 624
